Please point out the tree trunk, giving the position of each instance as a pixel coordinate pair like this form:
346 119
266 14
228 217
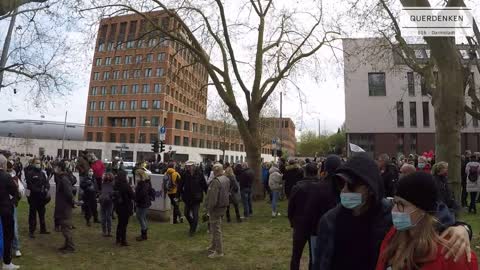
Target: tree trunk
254 162
448 100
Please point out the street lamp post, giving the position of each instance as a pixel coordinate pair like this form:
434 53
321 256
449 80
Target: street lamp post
64 129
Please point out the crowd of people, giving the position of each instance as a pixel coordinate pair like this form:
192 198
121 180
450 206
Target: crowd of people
358 213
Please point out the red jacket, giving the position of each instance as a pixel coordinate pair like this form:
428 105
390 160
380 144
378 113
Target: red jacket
440 263
98 169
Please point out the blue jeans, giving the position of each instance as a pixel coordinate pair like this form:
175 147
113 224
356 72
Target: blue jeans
275 196
142 218
106 216
16 239
247 201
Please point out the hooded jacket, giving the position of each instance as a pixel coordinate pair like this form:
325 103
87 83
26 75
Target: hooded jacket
293 174
376 221
245 177
193 187
390 177
175 179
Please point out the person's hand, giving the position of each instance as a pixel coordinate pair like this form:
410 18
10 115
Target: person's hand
458 243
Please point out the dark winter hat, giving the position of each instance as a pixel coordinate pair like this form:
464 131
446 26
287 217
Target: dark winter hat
311 168
332 163
420 189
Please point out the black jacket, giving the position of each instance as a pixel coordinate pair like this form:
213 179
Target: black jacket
293 174
390 178
246 178
64 201
309 200
38 185
124 197
142 194
444 192
8 191
193 187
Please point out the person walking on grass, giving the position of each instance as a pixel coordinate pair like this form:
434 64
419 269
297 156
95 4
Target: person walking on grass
64 203
8 190
143 201
234 194
216 204
275 182
123 202
38 188
246 177
472 170
88 185
171 182
106 204
192 189
16 199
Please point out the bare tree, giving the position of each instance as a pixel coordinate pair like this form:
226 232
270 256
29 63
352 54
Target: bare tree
39 27
277 40
7 7
447 77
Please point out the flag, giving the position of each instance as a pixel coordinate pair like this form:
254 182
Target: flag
355 148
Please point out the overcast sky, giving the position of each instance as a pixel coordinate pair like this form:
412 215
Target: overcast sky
323 91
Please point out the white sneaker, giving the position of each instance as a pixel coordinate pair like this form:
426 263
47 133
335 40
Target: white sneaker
10 266
18 253
215 255
278 214
274 214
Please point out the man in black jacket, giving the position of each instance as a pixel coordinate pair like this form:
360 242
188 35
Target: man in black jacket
8 190
39 187
389 174
309 200
245 178
293 174
194 185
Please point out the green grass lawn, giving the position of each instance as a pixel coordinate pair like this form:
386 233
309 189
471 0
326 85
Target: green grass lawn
262 242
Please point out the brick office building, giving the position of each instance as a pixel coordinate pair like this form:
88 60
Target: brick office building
137 84
387 107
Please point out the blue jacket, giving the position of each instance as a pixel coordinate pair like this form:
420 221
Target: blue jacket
265 175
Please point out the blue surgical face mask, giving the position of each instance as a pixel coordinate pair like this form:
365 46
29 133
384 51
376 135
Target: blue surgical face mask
403 221
421 165
350 200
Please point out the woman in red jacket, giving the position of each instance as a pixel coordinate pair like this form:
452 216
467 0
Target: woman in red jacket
414 241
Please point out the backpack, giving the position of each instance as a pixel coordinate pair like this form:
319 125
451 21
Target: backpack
168 184
473 173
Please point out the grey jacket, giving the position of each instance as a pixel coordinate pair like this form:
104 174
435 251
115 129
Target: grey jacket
64 198
218 196
275 180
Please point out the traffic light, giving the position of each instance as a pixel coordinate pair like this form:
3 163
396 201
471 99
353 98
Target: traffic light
279 153
273 152
155 146
162 147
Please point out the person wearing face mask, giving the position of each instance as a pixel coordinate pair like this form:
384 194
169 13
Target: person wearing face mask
414 241
38 188
355 228
440 173
423 165
87 184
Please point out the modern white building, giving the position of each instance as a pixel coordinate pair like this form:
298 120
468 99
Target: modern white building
36 137
387 109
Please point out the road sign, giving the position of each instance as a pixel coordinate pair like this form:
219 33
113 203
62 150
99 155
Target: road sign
161 137
161 133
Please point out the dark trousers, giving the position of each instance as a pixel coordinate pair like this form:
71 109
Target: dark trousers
176 209
267 190
464 194
300 238
90 208
237 211
191 213
122 227
8 227
32 217
246 194
473 201
66 227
